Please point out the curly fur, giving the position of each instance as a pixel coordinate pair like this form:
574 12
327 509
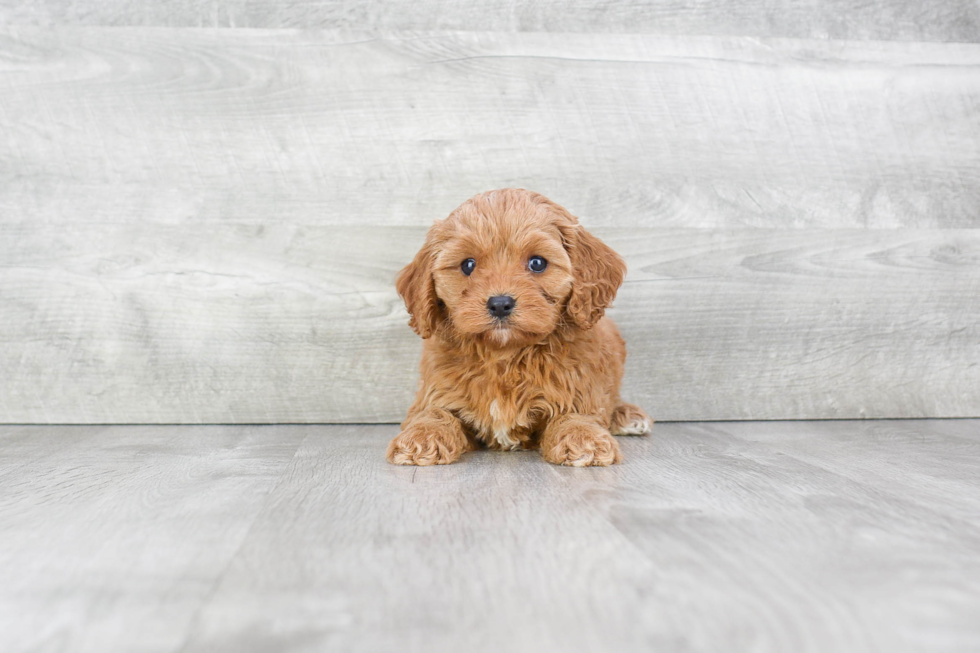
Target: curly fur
548 376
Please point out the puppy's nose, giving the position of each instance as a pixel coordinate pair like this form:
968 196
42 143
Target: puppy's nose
501 306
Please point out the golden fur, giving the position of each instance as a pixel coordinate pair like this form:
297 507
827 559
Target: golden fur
548 374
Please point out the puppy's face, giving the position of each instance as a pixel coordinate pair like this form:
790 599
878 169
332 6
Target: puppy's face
507 268
502 276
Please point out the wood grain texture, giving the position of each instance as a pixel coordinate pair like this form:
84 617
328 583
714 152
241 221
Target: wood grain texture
953 20
759 548
840 536
890 454
272 126
112 538
248 323
203 225
457 555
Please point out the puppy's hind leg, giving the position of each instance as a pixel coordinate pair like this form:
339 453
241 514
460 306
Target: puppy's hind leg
628 419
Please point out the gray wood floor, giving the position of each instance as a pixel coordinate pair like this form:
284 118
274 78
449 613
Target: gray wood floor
776 536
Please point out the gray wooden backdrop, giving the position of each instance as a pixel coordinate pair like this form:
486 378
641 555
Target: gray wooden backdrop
203 204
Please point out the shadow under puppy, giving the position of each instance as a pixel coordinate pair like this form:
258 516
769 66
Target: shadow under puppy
509 293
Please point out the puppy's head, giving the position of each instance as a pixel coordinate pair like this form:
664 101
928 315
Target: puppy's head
508 267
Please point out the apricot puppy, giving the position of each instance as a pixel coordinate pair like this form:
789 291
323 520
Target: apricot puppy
508 293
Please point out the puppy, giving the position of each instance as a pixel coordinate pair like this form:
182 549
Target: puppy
508 293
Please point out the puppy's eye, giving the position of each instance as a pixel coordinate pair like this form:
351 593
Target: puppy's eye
467 266
536 264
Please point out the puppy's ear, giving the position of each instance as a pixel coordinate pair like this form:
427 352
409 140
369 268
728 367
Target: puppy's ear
598 272
417 287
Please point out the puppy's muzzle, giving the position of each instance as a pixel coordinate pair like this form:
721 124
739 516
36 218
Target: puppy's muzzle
501 306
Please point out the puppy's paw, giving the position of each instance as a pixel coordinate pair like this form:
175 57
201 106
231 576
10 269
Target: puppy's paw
426 443
581 444
628 419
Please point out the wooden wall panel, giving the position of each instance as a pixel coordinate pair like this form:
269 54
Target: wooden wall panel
204 225
323 128
950 20
289 323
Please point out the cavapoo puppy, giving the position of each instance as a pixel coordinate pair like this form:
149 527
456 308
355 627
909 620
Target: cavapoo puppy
509 293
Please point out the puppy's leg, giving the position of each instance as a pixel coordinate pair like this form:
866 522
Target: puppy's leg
579 441
432 437
628 419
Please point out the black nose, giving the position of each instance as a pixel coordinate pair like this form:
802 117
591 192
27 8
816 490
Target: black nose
500 306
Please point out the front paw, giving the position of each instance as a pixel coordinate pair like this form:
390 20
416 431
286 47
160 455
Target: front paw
427 443
581 444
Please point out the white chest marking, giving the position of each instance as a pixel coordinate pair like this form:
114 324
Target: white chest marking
501 433
502 436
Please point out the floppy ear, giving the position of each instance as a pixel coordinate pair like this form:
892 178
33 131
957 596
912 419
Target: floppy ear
416 286
598 272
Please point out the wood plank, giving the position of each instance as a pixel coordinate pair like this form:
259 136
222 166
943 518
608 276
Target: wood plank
959 428
237 324
19 445
495 554
285 323
284 538
755 549
700 541
111 538
802 324
890 454
258 126
953 20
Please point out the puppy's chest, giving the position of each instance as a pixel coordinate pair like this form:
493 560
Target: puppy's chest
505 412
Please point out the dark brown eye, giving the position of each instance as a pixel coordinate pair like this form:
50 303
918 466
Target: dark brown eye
467 266
536 264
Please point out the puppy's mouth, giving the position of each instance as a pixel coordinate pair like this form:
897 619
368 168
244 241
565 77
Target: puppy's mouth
504 332
501 332
501 335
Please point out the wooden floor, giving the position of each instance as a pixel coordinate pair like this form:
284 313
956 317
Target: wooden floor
774 536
